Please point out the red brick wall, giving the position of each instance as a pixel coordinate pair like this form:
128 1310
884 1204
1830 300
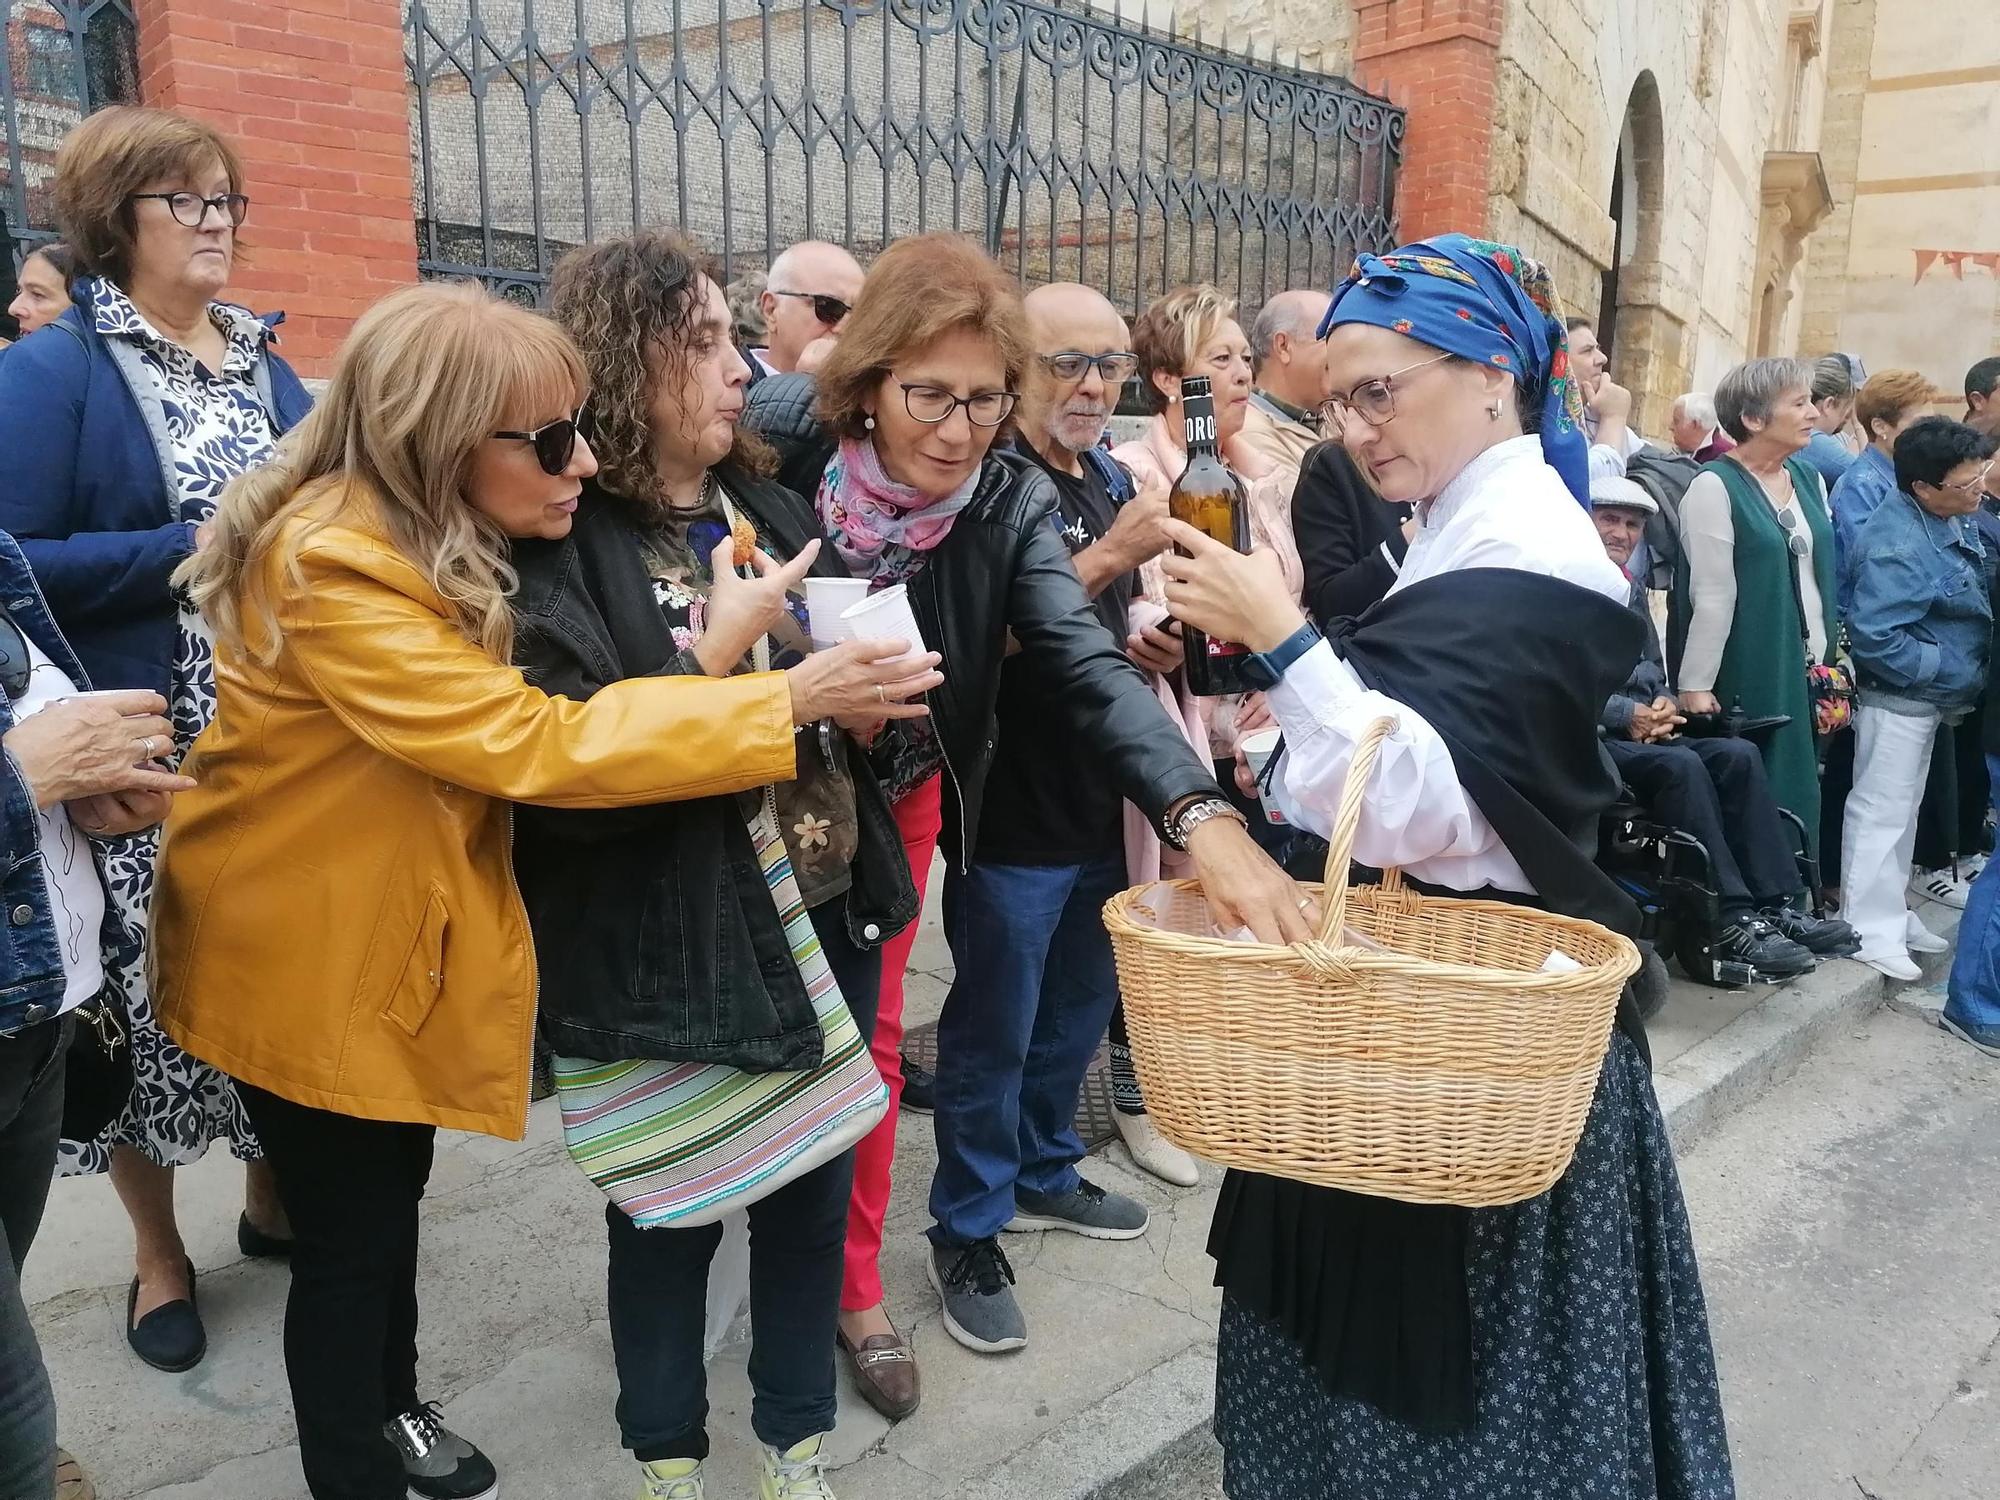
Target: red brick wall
311 93
1439 59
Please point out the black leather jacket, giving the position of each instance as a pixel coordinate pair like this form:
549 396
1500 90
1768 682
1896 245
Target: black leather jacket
1003 568
655 928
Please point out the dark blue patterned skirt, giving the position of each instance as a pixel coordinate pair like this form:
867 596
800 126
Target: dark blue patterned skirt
1595 1374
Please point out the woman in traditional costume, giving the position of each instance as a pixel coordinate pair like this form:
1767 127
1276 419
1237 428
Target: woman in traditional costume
1377 1350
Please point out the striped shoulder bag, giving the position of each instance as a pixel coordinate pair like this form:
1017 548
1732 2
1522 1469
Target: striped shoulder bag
677 1144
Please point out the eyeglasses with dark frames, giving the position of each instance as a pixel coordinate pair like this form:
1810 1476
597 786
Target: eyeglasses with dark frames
190 210
1072 365
934 404
829 310
554 443
1374 401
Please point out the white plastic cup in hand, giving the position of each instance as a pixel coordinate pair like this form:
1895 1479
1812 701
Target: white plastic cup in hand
886 616
1258 746
826 600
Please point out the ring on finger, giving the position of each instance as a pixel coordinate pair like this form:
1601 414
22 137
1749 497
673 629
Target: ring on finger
881 696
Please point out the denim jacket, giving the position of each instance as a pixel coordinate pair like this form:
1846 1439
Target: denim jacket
1921 624
31 967
1860 493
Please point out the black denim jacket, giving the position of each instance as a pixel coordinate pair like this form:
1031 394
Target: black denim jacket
654 927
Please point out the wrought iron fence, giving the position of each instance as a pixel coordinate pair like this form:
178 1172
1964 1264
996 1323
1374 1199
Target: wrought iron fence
60 60
1078 143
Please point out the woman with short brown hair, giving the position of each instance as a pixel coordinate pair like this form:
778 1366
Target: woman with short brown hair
122 423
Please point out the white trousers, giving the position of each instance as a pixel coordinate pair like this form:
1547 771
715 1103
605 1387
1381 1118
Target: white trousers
1892 760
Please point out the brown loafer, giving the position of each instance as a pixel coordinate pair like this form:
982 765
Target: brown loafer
71 1482
885 1367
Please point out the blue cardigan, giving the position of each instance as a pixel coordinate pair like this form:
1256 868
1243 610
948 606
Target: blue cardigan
86 490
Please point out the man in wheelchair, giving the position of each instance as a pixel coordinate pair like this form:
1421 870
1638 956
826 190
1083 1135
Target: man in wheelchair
1707 842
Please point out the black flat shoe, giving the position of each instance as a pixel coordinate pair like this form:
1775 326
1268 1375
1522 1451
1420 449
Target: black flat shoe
170 1337
258 1245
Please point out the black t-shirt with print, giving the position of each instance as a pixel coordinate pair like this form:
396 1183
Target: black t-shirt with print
1048 801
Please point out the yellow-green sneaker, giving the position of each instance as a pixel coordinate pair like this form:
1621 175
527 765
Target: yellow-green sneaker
671 1479
799 1473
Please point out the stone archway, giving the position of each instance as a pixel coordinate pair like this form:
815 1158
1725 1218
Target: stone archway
1645 304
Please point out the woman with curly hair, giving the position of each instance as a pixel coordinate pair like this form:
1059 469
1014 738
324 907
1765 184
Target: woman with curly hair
645 584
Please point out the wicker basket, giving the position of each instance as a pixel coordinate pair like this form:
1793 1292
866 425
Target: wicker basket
1449 1070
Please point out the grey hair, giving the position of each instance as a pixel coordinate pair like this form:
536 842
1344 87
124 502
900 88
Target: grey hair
1832 378
1284 313
1751 391
1696 406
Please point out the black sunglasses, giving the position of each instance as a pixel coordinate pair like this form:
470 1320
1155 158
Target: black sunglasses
555 444
829 310
17 663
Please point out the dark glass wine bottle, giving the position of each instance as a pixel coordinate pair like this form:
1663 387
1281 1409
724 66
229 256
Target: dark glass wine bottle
1210 498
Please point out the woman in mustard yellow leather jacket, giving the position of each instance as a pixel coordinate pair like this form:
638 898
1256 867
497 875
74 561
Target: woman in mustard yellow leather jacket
336 924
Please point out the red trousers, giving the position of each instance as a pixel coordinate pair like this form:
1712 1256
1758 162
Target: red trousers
918 818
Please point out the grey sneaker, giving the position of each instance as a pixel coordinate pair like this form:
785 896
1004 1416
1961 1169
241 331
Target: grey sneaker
1088 1210
976 1286
438 1464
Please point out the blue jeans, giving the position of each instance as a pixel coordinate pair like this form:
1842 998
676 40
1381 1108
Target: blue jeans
1973 995
1034 991
31 1097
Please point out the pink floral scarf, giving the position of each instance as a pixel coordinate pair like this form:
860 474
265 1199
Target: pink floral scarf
882 528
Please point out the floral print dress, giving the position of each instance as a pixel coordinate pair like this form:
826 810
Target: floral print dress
218 429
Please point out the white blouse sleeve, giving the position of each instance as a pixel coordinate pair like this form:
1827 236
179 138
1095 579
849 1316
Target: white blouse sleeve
1708 534
1416 811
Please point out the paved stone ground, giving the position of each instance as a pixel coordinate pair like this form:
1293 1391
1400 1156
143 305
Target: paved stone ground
515 1342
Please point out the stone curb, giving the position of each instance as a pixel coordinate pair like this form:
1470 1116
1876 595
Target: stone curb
1697 1090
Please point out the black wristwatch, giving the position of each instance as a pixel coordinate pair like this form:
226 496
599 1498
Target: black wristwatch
1267 668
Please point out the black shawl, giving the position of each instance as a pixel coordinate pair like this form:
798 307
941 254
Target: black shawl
1512 670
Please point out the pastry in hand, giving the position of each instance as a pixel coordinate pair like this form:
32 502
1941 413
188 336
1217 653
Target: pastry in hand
745 537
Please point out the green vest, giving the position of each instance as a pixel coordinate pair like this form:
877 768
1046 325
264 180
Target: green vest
1764 663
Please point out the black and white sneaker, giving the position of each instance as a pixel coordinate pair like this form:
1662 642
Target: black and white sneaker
437 1463
1755 942
919 1087
1823 937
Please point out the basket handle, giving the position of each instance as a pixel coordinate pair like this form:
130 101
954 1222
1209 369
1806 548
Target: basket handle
1340 846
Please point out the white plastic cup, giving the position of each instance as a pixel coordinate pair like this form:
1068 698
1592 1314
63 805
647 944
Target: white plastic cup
1258 746
885 616
826 598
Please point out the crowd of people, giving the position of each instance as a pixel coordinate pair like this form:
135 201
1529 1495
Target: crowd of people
357 742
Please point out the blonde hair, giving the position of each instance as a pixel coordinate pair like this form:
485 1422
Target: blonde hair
1172 332
427 374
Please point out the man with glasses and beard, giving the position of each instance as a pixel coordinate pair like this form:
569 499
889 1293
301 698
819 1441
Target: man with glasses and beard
806 297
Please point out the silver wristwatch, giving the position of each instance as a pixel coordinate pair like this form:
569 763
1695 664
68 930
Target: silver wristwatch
1194 815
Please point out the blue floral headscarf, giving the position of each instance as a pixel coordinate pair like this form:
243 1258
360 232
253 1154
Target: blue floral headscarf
1483 302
